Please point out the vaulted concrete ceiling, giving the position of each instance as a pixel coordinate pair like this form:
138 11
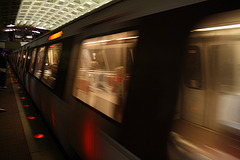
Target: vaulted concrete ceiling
44 14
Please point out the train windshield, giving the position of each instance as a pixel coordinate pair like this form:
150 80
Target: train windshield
104 71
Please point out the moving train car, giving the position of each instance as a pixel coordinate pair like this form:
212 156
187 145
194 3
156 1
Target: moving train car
209 94
139 80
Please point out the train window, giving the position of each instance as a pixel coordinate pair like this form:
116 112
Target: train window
228 64
103 72
28 59
32 62
192 68
51 63
16 57
39 62
24 59
20 59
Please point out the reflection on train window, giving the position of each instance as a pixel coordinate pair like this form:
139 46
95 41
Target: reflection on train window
104 71
51 63
192 68
39 62
32 62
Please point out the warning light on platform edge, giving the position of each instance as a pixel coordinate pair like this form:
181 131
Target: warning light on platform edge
31 117
26 105
55 36
39 136
23 98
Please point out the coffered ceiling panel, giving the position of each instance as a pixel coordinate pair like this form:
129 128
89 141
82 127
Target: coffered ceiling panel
50 14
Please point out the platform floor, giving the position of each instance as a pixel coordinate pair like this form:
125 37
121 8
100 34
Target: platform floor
20 124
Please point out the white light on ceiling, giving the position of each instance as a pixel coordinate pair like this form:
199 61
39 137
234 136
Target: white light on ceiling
49 13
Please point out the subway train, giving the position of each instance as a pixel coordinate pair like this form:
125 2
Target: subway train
140 80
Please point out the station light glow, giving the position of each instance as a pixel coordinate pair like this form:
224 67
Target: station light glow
51 14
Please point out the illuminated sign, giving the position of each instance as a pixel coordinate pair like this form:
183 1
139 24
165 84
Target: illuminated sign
55 36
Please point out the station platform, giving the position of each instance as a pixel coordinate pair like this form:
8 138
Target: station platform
23 133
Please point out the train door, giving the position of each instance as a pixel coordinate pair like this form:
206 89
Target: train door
193 94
